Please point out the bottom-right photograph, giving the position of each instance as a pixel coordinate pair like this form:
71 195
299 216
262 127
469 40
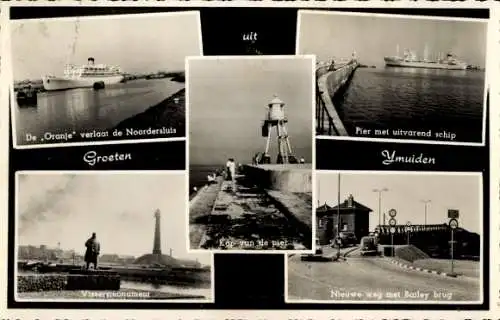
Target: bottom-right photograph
393 237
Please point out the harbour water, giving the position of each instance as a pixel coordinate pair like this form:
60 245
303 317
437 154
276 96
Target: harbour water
86 109
395 98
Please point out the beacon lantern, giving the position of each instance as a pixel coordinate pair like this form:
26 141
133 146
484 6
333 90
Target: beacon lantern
276 121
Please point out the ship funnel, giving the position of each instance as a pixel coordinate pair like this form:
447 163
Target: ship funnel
91 60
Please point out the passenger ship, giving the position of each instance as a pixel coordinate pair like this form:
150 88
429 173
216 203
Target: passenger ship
410 60
85 76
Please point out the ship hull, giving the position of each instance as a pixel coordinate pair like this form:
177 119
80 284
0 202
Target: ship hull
424 65
60 83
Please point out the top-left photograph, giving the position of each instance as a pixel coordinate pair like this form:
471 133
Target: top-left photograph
100 79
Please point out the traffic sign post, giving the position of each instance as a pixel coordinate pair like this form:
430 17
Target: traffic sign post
392 230
408 230
392 213
453 214
392 222
453 225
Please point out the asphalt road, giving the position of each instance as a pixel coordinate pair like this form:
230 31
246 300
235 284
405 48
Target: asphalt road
374 279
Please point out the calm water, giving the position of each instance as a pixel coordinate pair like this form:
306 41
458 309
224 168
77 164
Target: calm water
415 99
88 109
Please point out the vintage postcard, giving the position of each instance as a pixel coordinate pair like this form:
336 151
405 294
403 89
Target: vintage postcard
250 153
397 77
100 79
393 237
106 236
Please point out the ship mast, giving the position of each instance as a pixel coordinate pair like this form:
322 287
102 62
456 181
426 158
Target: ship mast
397 50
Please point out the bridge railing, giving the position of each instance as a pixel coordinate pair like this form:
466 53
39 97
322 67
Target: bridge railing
385 229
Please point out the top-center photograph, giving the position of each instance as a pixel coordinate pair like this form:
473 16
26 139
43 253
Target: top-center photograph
250 153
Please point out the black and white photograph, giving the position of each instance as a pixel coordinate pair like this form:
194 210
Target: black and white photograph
396 78
106 236
250 153
393 237
101 79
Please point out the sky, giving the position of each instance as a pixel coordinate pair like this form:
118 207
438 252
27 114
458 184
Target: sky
373 37
406 193
120 208
228 101
138 44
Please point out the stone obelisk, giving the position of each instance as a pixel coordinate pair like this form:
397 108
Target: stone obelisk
157 240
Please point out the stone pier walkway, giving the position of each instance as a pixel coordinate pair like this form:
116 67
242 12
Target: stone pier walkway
248 218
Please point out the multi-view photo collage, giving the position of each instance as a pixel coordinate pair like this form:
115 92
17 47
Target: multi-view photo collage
197 158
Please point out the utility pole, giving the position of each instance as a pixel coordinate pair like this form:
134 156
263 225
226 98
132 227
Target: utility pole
379 191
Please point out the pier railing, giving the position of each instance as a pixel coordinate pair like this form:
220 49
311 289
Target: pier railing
324 121
330 80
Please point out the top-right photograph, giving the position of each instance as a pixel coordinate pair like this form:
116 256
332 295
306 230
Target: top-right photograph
397 78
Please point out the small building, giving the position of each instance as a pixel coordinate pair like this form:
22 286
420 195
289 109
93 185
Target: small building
354 217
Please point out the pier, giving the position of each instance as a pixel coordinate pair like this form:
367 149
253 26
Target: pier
330 81
268 208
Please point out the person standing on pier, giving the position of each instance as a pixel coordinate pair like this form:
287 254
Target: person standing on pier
231 167
228 170
92 252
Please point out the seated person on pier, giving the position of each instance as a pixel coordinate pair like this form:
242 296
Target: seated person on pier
211 178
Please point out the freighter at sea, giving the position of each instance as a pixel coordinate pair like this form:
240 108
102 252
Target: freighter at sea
86 76
410 60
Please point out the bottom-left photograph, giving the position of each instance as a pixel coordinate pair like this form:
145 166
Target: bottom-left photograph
104 235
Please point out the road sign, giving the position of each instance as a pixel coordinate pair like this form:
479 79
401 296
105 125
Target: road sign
392 230
408 224
392 213
453 223
392 222
452 214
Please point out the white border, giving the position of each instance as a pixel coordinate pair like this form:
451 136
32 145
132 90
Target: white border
313 144
131 173
406 302
9 53
487 58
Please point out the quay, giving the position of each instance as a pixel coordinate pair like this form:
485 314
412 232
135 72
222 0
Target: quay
95 285
268 208
331 80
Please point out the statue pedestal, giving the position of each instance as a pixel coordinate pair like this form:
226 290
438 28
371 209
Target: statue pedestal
93 280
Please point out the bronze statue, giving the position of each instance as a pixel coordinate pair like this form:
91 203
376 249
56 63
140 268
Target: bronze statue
92 252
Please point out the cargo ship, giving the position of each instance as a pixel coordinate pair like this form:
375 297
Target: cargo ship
85 76
410 60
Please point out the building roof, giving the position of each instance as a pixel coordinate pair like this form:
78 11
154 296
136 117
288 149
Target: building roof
348 204
355 205
323 208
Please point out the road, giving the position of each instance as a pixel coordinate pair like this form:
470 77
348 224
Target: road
374 279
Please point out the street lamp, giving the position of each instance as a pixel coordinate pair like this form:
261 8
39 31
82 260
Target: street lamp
425 202
379 191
